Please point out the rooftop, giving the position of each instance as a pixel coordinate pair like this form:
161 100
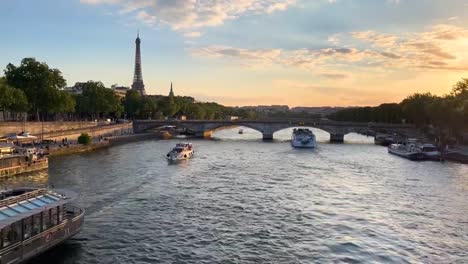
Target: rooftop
21 203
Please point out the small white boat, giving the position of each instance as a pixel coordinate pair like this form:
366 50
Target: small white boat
182 151
303 138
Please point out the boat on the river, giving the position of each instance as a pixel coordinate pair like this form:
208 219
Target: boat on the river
182 151
19 160
386 139
34 220
241 131
303 138
415 151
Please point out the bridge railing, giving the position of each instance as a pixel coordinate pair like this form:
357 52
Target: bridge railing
292 121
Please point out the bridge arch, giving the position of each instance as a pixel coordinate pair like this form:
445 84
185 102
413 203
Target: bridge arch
268 131
337 130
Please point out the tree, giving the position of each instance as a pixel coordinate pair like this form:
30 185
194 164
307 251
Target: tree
84 139
11 99
132 103
415 108
148 108
98 101
37 81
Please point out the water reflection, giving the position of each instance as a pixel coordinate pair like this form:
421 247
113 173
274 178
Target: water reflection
242 200
35 179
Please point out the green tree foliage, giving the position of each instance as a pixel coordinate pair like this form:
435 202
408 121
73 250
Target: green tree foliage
12 99
39 83
132 103
98 101
448 115
415 108
84 139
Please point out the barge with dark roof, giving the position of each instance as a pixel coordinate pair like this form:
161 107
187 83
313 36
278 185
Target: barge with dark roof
35 220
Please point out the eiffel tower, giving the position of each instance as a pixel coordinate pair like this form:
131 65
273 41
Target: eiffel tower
138 77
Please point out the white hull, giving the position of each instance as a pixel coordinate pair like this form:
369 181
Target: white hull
185 155
303 138
300 144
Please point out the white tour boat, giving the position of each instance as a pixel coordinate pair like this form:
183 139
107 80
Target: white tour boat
303 138
182 151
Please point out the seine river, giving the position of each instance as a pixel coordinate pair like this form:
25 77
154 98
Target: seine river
241 200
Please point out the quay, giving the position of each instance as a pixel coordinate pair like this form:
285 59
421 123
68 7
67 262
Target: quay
10 166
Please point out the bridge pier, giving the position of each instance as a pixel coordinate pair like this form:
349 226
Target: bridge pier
337 138
267 136
203 134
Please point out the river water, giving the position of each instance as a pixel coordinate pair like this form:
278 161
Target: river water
242 200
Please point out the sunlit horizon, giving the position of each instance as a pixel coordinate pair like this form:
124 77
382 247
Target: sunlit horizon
249 52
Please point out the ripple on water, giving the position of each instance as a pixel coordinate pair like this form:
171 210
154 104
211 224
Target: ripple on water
251 202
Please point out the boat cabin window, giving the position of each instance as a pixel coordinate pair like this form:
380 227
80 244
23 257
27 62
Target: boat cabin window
36 226
27 227
45 220
60 213
5 239
54 216
11 234
428 149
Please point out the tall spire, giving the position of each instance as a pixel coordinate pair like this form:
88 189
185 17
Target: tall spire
138 84
171 93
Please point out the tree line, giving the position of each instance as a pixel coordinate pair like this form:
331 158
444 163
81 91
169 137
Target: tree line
37 90
446 115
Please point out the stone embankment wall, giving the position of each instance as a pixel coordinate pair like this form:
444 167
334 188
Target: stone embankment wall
77 148
26 168
36 128
105 131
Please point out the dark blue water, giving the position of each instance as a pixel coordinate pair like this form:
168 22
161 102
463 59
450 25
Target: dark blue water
241 200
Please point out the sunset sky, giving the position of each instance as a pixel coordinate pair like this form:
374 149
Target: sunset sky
249 52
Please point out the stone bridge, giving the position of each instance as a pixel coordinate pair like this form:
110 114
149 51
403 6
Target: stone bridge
337 130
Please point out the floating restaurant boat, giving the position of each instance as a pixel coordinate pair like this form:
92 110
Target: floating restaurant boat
416 152
182 151
303 138
35 220
21 160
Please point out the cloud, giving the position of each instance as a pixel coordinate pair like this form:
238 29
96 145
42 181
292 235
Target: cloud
420 49
187 15
432 49
300 58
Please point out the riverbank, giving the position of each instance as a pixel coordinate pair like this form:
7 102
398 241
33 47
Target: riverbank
27 167
74 148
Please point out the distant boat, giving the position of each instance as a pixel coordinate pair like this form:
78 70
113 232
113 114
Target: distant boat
23 136
385 139
182 151
415 151
241 131
303 138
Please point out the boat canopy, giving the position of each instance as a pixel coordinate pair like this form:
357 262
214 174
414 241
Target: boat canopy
18 205
183 145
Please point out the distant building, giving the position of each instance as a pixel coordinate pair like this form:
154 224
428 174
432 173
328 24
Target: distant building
267 108
138 84
120 91
171 92
76 89
321 110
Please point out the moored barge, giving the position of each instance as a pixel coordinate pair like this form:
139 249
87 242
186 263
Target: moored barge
35 220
